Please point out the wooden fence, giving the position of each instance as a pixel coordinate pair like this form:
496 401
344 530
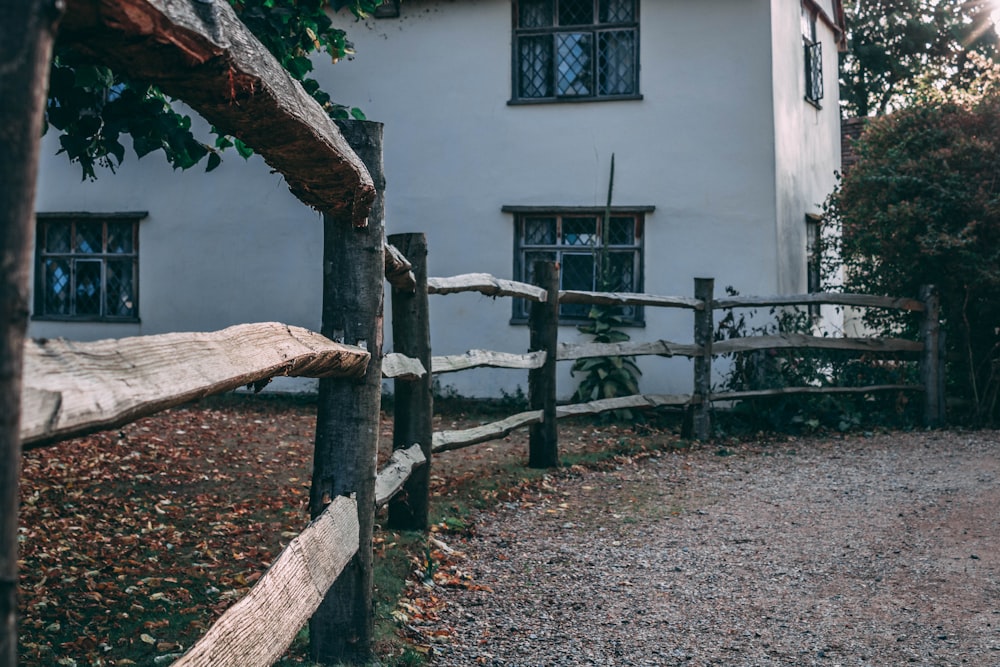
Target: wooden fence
216 66
544 351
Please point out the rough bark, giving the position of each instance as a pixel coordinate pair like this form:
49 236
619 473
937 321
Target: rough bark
201 53
704 329
413 407
543 439
487 358
486 284
73 388
347 425
258 629
27 31
448 440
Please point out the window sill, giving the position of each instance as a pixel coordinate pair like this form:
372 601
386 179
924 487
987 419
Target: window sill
813 103
517 102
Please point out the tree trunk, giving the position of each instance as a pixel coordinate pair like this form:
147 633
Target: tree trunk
27 30
347 425
413 403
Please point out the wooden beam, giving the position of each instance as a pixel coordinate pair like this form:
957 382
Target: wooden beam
401 367
784 391
413 404
73 388
487 358
391 478
201 53
543 324
629 299
831 298
663 348
447 440
348 411
258 629
803 341
486 284
398 269
621 402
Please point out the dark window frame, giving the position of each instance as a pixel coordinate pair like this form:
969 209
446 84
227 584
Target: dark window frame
813 261
596 30
561 248
74 256
812 50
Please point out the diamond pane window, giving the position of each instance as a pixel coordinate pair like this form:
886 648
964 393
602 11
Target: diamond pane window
534 13
574 240
87 267
576 12
535 65
58 237
576 49
813 49
617 11
575 72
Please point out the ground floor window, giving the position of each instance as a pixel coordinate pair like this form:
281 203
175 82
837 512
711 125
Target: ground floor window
87 266
575 238
813 260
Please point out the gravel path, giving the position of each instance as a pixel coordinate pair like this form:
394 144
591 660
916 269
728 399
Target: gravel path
857 551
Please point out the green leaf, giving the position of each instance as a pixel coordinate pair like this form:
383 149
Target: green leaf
214 160
241 148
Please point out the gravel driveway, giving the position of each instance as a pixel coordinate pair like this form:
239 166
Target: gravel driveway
859 551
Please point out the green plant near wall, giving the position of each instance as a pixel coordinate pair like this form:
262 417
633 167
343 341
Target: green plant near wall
607 376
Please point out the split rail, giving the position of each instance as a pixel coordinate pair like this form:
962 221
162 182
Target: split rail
415 407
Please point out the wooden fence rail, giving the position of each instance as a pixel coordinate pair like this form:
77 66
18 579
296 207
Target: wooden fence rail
545 350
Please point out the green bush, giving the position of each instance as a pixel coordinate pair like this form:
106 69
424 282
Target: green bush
922 206
781 368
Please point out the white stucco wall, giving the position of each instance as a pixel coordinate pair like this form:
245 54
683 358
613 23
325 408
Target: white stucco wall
807 139
234 246
698 147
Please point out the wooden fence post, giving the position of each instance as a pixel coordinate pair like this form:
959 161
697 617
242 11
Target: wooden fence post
704 329
27 32
413 400
347 424
932 360
543 443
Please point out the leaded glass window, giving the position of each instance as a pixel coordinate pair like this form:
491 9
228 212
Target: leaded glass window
575 49
574 239
813 52
87 267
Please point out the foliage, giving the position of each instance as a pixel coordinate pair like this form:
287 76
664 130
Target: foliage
93 106
606 377
922 206
780 368
896 47
609 376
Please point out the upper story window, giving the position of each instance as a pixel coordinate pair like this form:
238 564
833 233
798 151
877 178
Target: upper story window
575 50
813 51
87 267
573 237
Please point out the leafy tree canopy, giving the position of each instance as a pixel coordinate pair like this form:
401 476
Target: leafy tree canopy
93 106
922 206
895 47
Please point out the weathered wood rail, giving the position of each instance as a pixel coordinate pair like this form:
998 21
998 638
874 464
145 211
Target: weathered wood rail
74 388
545 350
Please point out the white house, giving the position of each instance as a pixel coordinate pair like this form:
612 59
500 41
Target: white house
501 117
